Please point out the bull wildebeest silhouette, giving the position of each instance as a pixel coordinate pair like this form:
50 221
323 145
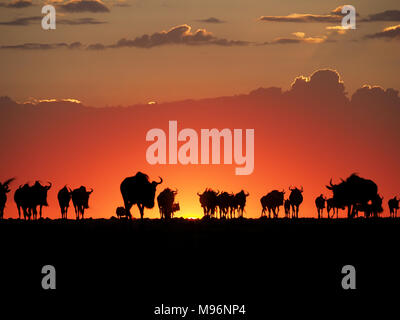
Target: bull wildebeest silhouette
296 198
166 203
140 191
272 201
30 197
64 198
80 200
209 201
4 189
239 203
121 212
393 207
320 204
354 192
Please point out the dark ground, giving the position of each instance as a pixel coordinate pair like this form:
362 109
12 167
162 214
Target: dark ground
127 268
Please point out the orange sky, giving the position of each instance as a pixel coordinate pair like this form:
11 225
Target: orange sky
313 132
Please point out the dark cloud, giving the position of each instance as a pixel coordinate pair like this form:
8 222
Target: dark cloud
25 21
334 16
43 46
211 20
388 15
94 6
299 39
80 21
96 46
387 33
17 4
375 96
177 35
324 84
303 18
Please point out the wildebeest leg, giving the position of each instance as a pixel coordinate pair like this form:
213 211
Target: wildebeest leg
19 212
40 211
141 210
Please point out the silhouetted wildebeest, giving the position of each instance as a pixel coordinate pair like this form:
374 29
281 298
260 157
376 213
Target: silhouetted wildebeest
286 205
320 204
4 189
166 203
21 198
140 191
239 203
121 212
393 207
296 198
80 200
272 201
353 192
224 200
209 201
38 194
371 209
64 198
331 204
30 197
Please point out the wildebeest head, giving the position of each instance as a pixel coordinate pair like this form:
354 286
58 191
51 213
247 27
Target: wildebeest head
80 197
296 196
39 193
4 187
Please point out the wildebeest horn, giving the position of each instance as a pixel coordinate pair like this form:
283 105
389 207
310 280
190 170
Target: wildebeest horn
330 183
198 194
290 188
247 194
301 189
161 180
91 190
49 186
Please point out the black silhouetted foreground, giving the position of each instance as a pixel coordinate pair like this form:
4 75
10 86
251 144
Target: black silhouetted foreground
130 266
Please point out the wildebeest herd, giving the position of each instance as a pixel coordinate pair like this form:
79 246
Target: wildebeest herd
355 194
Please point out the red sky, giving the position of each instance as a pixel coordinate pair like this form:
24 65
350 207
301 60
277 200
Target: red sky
127 53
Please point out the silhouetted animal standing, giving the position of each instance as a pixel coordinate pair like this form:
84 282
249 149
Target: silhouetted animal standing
296 198
80 200
140 191
320 204
393 206
38 198
209 201
64 198
28 198
121 212
21 198
239 203
166 203
331 204
272 201
4 189
353 193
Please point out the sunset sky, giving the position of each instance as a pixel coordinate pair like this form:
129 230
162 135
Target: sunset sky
106 54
